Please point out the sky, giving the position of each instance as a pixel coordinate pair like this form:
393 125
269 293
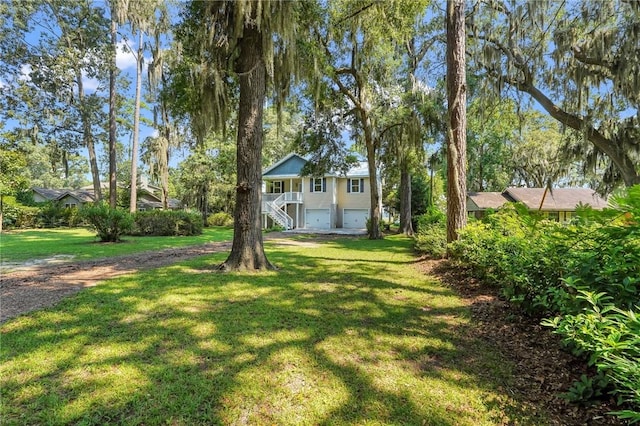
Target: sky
126 63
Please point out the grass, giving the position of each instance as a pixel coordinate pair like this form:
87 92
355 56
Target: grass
23 245
347 332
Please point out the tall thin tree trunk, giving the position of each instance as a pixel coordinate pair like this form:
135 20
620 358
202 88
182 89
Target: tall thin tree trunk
133 203
87 138
457 120
374 220
113 198
406 226
164 169
247 251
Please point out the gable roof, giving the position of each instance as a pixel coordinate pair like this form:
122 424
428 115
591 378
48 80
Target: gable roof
485 200
558 199
80 195
292 164
49 194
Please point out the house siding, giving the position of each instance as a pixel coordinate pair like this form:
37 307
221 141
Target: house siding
354 200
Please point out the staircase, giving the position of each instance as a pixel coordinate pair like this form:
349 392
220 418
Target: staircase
274 210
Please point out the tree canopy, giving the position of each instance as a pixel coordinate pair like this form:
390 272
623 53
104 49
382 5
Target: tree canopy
579 62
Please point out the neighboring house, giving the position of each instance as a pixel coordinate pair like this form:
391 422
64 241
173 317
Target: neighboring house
328 202
74 198
559 204
67 198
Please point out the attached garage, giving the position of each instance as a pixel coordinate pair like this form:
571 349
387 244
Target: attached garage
355 218
318 218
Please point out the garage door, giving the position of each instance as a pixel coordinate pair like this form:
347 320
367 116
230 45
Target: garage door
355 218
318 218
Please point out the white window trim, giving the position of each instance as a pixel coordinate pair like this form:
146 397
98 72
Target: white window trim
317 182
279 188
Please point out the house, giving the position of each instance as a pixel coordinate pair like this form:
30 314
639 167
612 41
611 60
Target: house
74 198
67 198
328 202
557 204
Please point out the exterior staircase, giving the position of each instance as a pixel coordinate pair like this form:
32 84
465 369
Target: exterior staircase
274 208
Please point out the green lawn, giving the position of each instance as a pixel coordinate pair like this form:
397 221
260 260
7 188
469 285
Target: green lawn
346 332
20 246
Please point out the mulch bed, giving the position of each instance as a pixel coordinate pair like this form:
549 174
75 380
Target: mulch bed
542 369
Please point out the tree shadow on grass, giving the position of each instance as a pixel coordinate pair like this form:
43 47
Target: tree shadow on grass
319 342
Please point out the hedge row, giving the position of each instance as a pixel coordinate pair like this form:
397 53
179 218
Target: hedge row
584 276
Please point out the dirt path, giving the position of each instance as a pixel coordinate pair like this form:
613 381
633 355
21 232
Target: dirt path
42 285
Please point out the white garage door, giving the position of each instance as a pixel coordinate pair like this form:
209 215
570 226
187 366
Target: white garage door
355 218
318 218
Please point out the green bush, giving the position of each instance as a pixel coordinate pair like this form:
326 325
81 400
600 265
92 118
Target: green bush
432 216
167 222
432 240
110 223
17 215
610 339
28 217
220 219
585 274
53 215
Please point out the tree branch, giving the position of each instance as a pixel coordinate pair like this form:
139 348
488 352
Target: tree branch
610 147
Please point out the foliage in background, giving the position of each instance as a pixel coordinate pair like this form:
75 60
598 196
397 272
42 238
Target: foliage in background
585 274
17 215
167 222
431 233
53 215
110 223
220 219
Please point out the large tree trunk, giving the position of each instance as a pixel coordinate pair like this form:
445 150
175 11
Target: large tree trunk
374 220
406 226
247 251
133 203
457 120
113 200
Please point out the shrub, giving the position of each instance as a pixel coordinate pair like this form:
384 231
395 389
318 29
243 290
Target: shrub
585 273
53 215
432 240
17 215
432 216
220 219
110 223
167 222
610 338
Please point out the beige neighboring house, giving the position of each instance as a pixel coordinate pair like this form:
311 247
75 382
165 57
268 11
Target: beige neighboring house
559 204
67 198
329 202
75 198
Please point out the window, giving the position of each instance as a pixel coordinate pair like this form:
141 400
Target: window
355 185
70 205
318 185
555 216
275 187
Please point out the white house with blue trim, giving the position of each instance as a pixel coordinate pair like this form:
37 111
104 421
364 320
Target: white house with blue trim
328 202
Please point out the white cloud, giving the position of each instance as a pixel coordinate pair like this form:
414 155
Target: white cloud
125 58
89 84
25 72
